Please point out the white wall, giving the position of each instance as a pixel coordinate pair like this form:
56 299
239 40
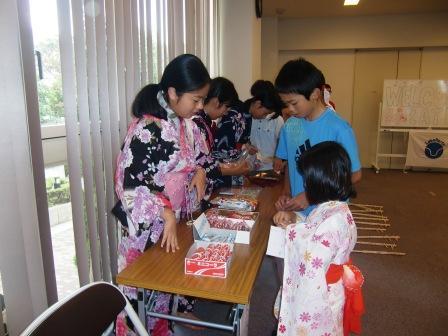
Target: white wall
356 55
20 254
391 31
269 48
54 145
256 44
240 44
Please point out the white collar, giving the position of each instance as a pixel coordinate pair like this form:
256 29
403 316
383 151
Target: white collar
170 114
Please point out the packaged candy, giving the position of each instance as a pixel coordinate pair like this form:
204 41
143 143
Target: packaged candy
209 259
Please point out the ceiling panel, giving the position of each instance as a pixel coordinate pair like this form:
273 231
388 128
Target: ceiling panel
331 8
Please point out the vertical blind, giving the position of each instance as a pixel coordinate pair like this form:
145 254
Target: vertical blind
109 50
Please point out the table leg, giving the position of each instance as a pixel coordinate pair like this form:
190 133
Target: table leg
141 305
242 327
240 324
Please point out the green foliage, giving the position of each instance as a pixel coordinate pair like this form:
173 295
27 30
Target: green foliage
49 183
51 63
51 107
58 195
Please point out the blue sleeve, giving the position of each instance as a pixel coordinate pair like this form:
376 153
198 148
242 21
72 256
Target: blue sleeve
282 149
348 140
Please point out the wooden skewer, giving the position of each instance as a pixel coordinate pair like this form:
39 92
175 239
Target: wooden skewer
380 252
361 210
373 210
381 225
354 214
373 223
371 229
379 237
372 218
390 245
367 205
365 214
367 210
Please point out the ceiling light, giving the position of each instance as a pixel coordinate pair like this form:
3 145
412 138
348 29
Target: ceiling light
351 2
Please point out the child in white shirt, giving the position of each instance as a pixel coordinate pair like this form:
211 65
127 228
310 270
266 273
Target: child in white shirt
265 109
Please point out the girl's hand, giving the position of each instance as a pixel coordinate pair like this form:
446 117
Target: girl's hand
284 218
251 149
233 169
281 203
170 231
297 203
199 182
242 168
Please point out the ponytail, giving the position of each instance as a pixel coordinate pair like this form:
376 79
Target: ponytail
146 103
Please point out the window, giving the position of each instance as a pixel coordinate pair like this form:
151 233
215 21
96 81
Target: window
91 59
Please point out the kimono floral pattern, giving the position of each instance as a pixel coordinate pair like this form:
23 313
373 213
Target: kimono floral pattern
204 124
309 306
230 130
222 141
154 151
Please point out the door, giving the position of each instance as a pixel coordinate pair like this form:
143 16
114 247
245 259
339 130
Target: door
371 69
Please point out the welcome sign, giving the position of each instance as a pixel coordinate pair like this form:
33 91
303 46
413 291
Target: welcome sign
415 103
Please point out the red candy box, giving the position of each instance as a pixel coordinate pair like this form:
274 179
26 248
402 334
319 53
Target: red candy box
208 259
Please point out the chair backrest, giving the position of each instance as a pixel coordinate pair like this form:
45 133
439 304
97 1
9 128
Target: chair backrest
88 311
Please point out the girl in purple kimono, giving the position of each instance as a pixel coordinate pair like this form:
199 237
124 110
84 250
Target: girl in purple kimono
222 127
162 162
321 293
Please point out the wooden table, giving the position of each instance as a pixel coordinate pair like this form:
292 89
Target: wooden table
158 270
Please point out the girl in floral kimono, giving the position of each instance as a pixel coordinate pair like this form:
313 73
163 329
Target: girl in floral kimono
162 162
221 128
321 289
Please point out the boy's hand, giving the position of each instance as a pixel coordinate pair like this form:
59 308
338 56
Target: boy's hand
284 218
278 165
297 203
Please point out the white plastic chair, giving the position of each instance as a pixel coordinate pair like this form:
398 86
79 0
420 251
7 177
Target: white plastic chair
88 311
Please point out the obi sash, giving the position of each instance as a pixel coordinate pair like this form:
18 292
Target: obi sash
352 280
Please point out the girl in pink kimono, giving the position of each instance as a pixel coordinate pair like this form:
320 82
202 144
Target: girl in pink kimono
321 289
162 162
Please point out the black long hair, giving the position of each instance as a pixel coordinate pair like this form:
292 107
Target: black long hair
185 73
326 171
222 89
265 92
299 76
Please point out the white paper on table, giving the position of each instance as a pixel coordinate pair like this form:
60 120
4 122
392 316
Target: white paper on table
276 243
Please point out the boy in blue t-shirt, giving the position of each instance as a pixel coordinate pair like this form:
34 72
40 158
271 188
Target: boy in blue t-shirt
300 86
